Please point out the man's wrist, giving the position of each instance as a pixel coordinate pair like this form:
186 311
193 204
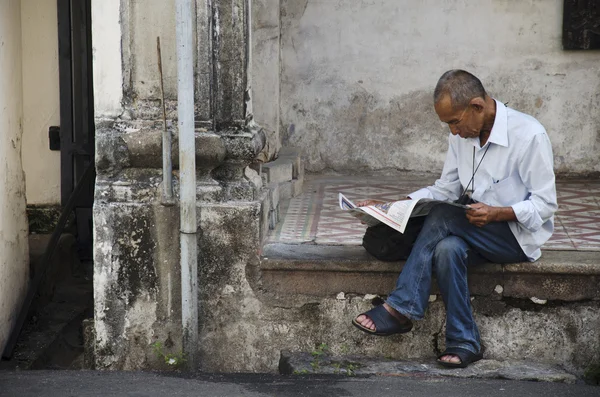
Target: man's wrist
503 214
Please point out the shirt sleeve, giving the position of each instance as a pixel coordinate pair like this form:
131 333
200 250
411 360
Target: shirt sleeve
536 169
447 187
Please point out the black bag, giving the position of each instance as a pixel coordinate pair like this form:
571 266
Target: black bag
388 244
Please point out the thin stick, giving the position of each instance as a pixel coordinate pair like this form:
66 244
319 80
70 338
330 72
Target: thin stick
167 163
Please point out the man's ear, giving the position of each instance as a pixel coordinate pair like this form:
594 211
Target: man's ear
477 103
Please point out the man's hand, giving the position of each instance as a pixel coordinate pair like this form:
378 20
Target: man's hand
364 203
481 214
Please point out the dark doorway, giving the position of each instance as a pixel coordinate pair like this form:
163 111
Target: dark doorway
77 113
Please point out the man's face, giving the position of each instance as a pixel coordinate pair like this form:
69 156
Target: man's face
466 122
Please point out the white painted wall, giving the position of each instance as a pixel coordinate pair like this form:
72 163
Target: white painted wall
107 58
14 261
41 104
357 78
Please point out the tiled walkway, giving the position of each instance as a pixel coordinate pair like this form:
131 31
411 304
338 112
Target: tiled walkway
315 217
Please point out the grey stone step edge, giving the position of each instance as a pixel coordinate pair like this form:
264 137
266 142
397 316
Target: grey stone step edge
283 179
327 270
319 362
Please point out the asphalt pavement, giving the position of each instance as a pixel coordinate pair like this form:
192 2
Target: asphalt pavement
138 384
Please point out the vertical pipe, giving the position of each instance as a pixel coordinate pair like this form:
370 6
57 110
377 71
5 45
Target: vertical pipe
187 167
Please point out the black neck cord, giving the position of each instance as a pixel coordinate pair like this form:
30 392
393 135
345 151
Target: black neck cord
474 170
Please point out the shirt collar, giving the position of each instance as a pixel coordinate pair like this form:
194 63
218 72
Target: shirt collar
499 133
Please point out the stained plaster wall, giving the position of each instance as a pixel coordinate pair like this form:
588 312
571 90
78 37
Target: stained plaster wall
136 272
136 247
14 261
245 330
107 58
143 21
357 78
265 71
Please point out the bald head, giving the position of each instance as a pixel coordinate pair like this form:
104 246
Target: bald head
460 87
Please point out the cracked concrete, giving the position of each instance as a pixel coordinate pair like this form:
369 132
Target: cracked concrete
310 363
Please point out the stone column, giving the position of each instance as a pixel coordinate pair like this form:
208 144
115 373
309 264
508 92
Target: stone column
137 291
224 90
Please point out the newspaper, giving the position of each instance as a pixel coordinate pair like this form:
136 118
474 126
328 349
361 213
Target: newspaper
395 214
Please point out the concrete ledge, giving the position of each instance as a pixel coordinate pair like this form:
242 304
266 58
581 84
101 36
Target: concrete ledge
278 171
293 155
323 363
283 179
327 270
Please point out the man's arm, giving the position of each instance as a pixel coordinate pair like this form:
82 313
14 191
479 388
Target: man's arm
536 169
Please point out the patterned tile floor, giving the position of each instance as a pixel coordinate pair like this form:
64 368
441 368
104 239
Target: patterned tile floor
315 218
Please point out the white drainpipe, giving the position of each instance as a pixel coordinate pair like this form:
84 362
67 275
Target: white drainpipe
187 171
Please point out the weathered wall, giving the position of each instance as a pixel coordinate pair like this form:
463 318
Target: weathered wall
140 78
357 78
136 248
246 330
14 261
108 71
265 71
140 29
137 295
41 106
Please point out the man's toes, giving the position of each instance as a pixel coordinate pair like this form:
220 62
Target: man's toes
450 358
365 321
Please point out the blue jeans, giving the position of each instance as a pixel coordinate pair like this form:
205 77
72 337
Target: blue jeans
446 246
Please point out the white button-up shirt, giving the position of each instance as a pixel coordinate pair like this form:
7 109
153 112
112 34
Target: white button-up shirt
517 172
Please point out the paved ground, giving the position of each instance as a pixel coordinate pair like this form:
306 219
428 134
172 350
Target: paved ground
107 384
315 216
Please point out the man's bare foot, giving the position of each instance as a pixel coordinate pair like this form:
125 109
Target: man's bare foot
366 322
458 357
450 358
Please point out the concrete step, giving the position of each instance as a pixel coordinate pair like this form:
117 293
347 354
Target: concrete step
328 270
547 311
282 179
287 167
323 363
